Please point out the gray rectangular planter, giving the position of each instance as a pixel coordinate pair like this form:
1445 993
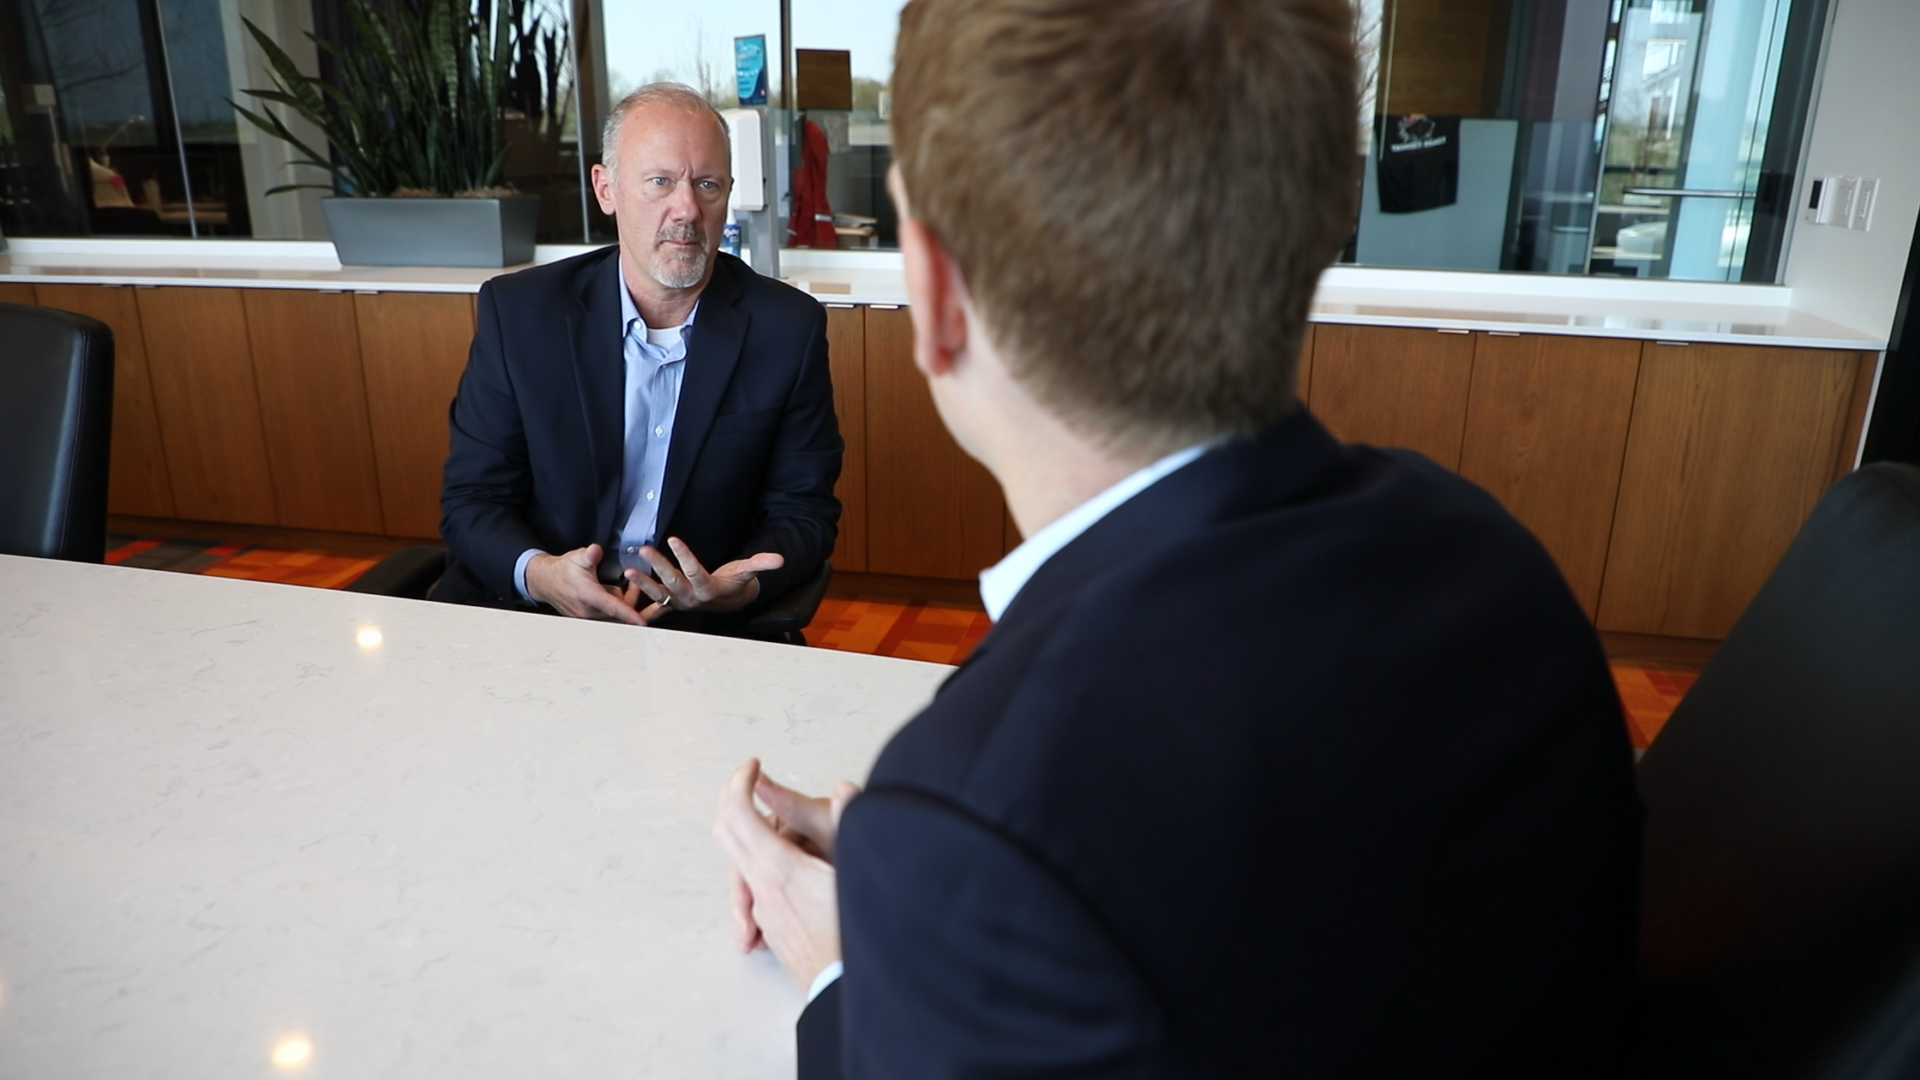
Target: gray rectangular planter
433 232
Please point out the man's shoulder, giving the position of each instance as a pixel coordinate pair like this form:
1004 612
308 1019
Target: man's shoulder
564 276
1384 584
763 294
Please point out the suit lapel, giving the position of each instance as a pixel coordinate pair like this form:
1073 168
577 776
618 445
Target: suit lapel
601 372
713 351
1269 470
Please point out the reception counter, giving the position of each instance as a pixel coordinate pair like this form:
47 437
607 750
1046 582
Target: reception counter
1663 439
244 819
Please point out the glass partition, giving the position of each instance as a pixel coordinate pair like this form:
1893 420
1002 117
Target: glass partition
118 118
1620 137
1643 138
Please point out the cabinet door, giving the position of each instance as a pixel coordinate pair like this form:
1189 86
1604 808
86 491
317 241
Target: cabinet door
1546 429
137 470
1730 447
13 292
932 510
313 404
413 347
209 407
847 350
1303 371
1393 387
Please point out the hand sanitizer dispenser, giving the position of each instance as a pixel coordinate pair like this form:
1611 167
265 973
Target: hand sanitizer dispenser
752 202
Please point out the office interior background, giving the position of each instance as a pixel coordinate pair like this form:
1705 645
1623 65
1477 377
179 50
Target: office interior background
1645 139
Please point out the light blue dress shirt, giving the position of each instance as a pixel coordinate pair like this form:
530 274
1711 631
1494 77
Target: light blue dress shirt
656 366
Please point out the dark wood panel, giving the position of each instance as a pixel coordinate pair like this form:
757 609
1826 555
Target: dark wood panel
1303 371
1393 387
137 471
847 351
1546 430
1438 55
13 292
313 408
932 510
413 347
209 408
1865 367
1730 447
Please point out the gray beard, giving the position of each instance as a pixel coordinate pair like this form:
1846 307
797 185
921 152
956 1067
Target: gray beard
677 271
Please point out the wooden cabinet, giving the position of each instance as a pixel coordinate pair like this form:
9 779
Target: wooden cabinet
1730 448
413 347
1546 427
847 351
137 480
313 409
208 403
1664 480
932 511
1390 386
13 293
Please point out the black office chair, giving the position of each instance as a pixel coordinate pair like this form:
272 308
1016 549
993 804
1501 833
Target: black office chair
56 419
412 572
1780 932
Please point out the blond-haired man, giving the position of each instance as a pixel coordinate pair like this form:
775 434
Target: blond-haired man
1283 757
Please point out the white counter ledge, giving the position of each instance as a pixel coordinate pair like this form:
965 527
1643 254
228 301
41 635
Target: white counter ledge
1511 303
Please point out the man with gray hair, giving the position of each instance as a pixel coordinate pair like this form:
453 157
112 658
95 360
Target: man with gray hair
645 432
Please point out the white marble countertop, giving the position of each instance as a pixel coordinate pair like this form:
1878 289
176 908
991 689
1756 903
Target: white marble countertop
477 848
1508 303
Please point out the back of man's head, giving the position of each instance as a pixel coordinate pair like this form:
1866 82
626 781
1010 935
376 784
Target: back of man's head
1141 194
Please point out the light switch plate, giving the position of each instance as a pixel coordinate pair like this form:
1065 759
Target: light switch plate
1840 200
1863 200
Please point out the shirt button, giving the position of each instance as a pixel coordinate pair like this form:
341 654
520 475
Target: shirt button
632 549
649 495
660 430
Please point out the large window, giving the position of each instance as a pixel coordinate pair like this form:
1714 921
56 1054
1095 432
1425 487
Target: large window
1644 138
116 120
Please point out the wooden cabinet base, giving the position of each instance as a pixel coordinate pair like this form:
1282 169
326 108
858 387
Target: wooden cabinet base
1730 448
932 510
413 347
208 403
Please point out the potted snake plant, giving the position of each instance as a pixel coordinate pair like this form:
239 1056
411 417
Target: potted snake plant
417 121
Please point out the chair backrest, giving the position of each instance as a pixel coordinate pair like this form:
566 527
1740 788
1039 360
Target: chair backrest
1780 915
56 417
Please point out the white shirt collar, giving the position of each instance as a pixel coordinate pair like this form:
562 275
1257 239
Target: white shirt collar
1002 581
630 312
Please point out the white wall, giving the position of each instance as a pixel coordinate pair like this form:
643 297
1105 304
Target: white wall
1862 126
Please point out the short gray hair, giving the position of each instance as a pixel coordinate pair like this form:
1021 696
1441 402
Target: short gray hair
679 95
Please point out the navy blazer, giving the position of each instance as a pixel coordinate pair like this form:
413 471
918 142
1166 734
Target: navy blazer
1302 762
538 427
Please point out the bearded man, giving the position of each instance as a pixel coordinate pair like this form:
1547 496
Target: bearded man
645 432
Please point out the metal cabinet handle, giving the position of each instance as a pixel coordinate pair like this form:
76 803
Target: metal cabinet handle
1688 193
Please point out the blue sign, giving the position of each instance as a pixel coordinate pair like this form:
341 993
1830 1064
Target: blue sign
750 68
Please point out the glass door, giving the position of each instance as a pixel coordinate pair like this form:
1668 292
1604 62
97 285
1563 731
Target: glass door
1687 96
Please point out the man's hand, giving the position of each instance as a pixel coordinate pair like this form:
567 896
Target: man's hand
571 584
783 884
688 586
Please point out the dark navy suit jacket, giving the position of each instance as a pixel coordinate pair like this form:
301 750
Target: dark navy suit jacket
1302 762
538 427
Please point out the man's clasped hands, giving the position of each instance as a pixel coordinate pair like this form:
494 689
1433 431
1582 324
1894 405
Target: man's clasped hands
570 583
